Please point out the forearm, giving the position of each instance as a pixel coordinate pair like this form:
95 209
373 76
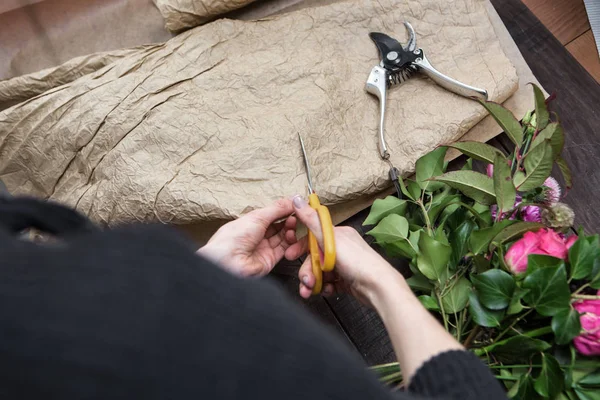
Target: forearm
415 334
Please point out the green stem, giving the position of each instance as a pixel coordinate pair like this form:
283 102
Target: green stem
444 317
506 378
581 288
391 377
585 297
425 217
534 333
513 324
471 336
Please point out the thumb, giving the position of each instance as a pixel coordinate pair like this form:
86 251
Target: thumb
309 217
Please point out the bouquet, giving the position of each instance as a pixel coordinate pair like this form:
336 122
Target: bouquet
493 255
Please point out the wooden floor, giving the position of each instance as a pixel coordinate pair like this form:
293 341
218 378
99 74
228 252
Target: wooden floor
567 20
556 58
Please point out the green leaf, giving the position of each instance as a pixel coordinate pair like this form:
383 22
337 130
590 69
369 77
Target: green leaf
414 189
481 315
515 306
429 303
587 394
429 166
541 111
590 380
399 248
477 150
582 255
519 349
433 258
514 231
595 276
459 239
549 383
506 120
474 185
555 134
392 228
381 208
538 165
439 205
468 165
535 261
455 299
495 288
526 388
480 239
566 171
503 184
420 283
514 391
405 190
566 325
548 290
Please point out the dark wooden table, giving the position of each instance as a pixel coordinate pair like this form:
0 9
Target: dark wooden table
577 103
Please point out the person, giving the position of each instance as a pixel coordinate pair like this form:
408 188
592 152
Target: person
137 312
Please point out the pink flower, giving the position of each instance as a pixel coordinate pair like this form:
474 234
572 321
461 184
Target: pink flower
553 191
544 241
588 342
490 170
531 214
570 241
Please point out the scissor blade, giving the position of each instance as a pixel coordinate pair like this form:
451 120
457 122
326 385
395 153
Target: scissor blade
308 174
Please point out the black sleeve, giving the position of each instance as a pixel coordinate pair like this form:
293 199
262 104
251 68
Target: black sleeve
456 375
135 313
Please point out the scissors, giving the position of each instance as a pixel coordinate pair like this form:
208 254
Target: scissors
327 262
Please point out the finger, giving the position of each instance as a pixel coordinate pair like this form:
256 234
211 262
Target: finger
328 290
306 275
290 237
267 215
291 222
309 217
297 249
305 292
274 229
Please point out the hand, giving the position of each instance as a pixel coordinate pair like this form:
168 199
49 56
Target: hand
358 269
253 244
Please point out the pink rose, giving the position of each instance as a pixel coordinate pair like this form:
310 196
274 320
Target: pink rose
588 343
545 242
571 240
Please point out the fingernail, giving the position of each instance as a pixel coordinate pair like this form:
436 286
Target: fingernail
299 202
305 280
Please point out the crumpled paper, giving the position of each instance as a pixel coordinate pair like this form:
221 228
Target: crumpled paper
204 127
184 14
15 90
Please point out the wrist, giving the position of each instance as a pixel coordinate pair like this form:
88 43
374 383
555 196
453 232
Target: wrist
386 286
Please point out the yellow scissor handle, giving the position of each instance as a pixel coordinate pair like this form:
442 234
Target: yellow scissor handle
328 244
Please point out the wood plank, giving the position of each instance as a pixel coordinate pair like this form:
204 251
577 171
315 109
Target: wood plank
578 96
585 51
566 19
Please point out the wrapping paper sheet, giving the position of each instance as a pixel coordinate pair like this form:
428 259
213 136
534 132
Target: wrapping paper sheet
204 127
184 14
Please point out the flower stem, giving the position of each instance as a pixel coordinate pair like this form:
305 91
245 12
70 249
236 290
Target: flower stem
513 324
425 216
442 310
581 288
585 297
471 336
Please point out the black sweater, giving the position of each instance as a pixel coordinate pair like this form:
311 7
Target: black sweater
135 313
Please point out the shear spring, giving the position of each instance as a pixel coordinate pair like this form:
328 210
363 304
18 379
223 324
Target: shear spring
402 75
